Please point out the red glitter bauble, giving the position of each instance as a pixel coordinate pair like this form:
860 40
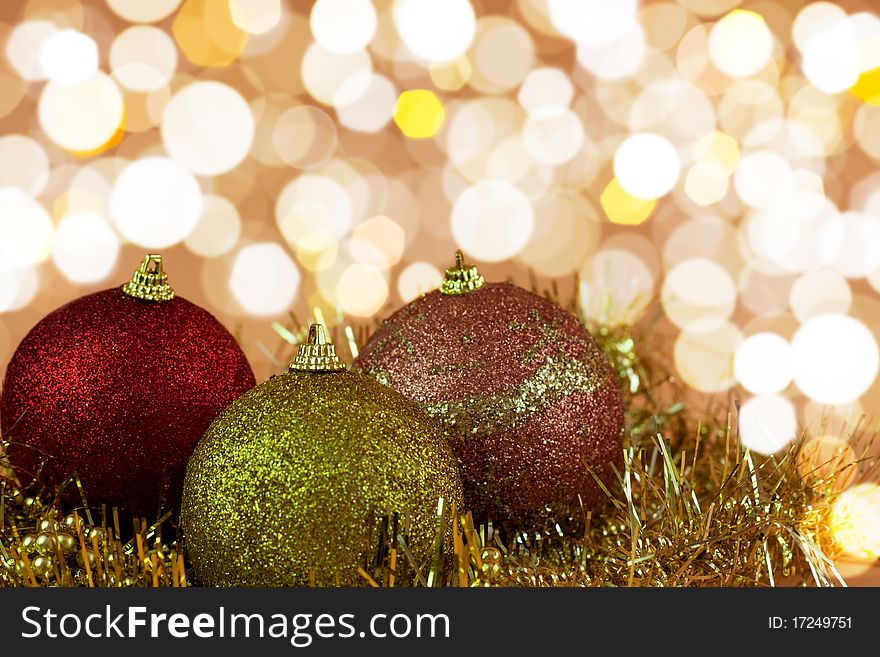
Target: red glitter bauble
119 390
529 400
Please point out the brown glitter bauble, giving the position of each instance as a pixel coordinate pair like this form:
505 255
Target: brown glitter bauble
529 401
294 479
119 389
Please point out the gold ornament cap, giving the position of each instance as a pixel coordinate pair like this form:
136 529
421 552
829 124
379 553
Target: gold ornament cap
150 282
316 354
462 279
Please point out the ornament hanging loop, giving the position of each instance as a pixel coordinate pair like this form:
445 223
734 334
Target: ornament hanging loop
149 282
462 279
316 354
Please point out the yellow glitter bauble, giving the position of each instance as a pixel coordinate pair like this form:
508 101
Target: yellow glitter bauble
291 483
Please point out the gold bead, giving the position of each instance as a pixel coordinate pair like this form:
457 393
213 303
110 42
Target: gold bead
29 541
95 532
47 525
90 555
42 566
45 543
70 521
67 542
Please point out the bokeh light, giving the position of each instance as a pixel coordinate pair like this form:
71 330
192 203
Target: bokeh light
451 75
218 229
501 56
194 121
264 279
155 202
767 424
24 164
69 57
706 182
26 231
621 207
137 11
18 284
417 279
206 33
545 91
143 58
675 108
86 248
616 58
866 127
855 521
343 26
718 147
335 79
616 287
492 220
362 290
763 363
763 178
858 251
646 165
814 18
553 138
835 358
304 137
313 202
704 356
435 30
378 242
698 294
592 22
831 58
704 236
820 292
256 16
317 250
373 110
82 117
740 44
419 113
24 47
12 86
867 87
568 215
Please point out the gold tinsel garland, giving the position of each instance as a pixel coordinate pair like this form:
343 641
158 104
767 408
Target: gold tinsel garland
690 508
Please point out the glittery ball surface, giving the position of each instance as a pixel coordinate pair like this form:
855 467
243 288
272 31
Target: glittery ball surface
528 399
119 390
292 478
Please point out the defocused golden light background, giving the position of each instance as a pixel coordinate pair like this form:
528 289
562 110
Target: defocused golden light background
707 166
